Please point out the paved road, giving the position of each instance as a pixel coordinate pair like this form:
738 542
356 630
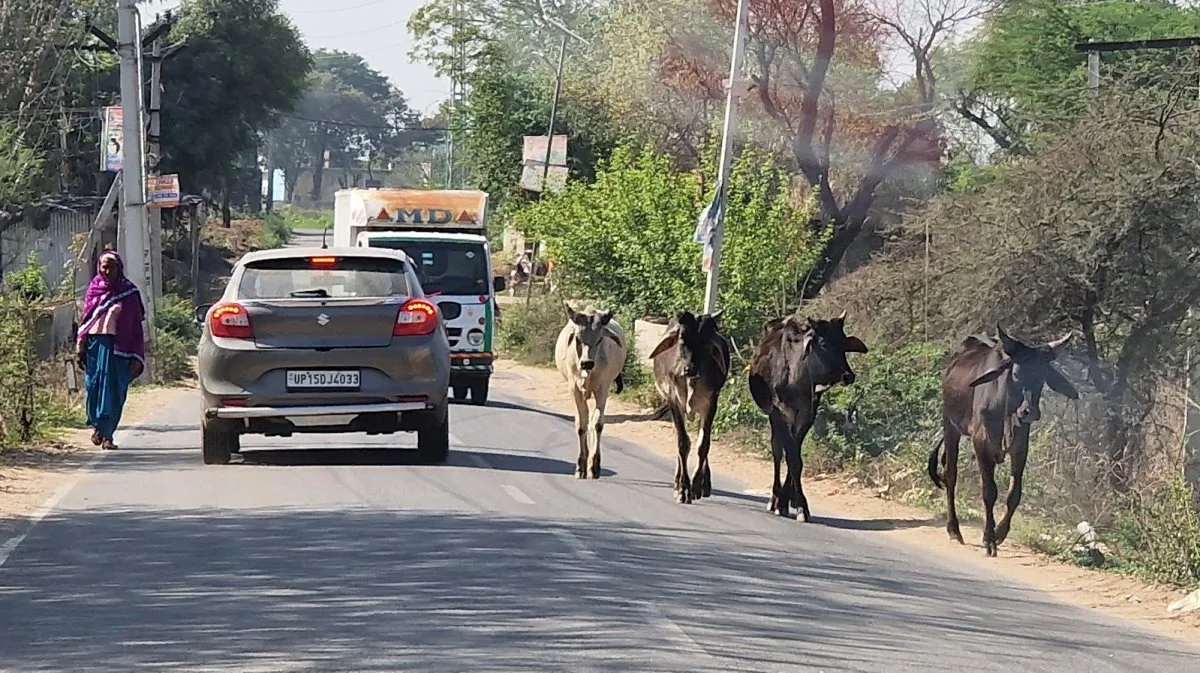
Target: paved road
346 556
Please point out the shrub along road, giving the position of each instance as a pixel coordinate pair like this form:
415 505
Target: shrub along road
343 556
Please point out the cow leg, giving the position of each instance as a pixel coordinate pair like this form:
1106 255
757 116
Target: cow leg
702 482
987 478
951 439
780 495
581 419
796 457
1020 453
597 428
683 489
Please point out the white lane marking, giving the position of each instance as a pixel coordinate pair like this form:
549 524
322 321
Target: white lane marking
576 545
12 543
675 633
517 494
479 461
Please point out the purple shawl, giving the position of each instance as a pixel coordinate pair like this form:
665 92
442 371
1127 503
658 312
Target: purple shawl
130 339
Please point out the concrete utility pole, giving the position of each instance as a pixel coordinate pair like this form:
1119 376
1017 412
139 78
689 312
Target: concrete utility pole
133 221
727 131
1094 49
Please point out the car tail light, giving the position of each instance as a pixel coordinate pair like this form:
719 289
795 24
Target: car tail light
416 317
230 321
322 261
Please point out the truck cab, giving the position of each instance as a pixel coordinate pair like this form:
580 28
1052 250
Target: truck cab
442 232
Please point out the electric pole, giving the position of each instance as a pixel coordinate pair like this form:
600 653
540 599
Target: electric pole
717 235
136 252
153 155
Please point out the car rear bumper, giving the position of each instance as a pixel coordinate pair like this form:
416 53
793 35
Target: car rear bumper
238 413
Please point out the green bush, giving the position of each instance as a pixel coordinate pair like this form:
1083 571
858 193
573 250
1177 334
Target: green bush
29 282
527 332
1158 533
895 401
176 337
626 239
275 233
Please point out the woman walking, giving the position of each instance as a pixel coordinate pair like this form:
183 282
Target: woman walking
110 345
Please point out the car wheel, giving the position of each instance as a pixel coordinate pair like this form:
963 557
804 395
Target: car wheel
460 392
433 441
218 445
479 392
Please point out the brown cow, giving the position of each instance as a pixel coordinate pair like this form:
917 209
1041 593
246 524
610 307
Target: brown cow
991 392
691 364
795 361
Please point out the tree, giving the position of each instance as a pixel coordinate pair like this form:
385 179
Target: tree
1025 75
244 65
825 109
349 111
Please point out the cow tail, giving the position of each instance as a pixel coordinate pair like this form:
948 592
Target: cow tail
933 463
619 383
661 412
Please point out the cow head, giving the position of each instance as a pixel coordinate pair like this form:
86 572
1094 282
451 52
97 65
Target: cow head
694 338
590 330
822 346
1023 370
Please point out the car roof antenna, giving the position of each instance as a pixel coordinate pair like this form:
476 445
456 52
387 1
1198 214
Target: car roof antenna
324 233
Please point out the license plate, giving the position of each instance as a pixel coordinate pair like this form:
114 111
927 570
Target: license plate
322 378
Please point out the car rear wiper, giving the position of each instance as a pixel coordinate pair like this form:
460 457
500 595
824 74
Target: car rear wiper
313 292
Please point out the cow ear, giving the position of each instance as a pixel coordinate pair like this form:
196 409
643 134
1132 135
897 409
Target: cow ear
570 312
992 374
1059 383
855 345
606 318
667 341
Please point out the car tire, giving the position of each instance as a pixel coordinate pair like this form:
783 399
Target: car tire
433 441
479 392
460 392
218 445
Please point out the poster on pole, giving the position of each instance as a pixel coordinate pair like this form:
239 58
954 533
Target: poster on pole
164 190
110 148
533 163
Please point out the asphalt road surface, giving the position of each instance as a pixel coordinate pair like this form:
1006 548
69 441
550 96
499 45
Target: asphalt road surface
340 553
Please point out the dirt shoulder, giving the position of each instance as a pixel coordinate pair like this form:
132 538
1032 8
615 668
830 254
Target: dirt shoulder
29 477
1114 595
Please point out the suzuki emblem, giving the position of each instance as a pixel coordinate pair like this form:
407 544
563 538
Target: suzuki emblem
323 319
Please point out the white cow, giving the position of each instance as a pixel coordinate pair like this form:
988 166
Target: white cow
590 354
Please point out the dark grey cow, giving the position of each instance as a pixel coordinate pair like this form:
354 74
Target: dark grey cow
691 365
795 361
991 392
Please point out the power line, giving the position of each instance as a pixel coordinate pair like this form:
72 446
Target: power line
338 9
359 32
373 127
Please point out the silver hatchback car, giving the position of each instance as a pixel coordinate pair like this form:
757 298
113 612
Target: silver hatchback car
320 340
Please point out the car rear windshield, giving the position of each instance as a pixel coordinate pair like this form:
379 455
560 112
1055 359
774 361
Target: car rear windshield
324 277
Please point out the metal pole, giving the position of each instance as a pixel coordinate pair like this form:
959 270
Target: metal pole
558 75
1093 74
129 46
154 147
731 101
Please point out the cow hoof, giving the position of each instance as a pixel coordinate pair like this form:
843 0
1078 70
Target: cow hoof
956 537
580 474
683 497
803 516
595 473
989 549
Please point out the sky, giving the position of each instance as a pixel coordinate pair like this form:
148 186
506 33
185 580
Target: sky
374 29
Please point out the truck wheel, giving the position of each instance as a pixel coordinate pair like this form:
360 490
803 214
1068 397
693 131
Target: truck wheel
460 391
479 392
433 441
218 445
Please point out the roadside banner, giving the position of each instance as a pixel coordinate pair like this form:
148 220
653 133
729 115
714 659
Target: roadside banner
110 147
164 190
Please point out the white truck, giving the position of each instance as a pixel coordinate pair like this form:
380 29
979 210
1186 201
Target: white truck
442 231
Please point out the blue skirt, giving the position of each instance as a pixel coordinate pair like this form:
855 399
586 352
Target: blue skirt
106 379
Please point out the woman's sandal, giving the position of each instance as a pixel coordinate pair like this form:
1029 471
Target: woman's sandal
108 445
96 441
